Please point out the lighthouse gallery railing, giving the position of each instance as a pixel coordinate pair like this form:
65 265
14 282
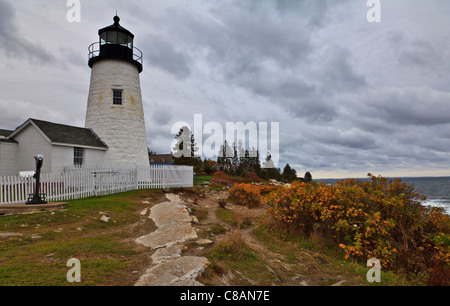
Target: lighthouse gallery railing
94 51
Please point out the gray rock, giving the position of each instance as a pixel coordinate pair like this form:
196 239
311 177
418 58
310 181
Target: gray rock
248 279
168 235
182 271
174 227
168 212
204 241
9 235
166 254
340 283
104 218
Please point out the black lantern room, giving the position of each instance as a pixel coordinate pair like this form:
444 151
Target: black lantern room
116 42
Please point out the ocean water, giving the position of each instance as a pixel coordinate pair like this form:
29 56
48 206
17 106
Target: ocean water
436 189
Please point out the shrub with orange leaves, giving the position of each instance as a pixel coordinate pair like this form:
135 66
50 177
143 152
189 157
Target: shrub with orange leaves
249 195
266 189
377 218
246 194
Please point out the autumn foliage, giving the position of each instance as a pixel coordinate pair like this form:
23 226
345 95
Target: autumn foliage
246 194
377 218
249 195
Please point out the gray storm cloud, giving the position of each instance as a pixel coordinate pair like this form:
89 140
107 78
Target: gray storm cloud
350 96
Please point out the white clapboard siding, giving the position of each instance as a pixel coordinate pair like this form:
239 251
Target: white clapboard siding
83 182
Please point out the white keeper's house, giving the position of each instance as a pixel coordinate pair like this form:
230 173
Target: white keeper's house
114 131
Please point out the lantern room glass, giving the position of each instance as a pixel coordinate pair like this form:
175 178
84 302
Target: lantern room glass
116 38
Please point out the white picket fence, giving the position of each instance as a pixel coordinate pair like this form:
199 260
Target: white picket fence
78 183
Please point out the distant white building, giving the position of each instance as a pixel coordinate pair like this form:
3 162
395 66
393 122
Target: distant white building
114 131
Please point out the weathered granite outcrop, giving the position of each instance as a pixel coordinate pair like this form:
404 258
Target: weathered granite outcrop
169 268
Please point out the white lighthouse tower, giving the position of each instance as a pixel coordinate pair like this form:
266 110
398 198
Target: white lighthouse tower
115 111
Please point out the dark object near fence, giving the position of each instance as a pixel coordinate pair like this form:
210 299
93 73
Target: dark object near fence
37 197
222 203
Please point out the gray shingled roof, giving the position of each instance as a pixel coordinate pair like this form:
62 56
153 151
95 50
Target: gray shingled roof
59 133
5 133
8 140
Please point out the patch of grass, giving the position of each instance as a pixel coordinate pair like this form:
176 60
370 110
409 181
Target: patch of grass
232 218
76 232
232 254
44 262
200 213
202 179
233 248
226 215
217 229
309 245
217 187
276 240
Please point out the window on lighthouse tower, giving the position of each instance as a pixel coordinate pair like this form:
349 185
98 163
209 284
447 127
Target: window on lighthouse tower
117 96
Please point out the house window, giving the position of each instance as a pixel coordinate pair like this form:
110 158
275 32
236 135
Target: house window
117 96
78 154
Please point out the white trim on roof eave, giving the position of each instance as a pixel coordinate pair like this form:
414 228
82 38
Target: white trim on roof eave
78 146
24 125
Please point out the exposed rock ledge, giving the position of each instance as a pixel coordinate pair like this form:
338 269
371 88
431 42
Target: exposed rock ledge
169 268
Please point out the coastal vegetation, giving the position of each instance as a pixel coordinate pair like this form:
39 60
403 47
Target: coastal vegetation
376 218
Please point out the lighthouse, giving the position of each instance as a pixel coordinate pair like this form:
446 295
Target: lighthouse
115 110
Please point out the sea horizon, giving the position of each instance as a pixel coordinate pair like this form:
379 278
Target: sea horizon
434 188
389 177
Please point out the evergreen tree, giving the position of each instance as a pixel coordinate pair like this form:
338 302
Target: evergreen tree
237 160
269 170
253 161
224 158
308 177
289 174
185 149
193 146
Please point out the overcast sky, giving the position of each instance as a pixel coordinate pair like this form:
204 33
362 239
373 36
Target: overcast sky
351 97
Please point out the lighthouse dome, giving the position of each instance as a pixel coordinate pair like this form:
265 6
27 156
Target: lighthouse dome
115 42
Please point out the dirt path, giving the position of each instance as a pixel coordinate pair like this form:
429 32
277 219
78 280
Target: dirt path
303 267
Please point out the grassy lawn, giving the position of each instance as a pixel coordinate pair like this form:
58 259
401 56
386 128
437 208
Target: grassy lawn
232 218
201 179
45 241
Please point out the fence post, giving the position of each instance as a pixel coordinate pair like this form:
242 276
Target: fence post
137 177
164 176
